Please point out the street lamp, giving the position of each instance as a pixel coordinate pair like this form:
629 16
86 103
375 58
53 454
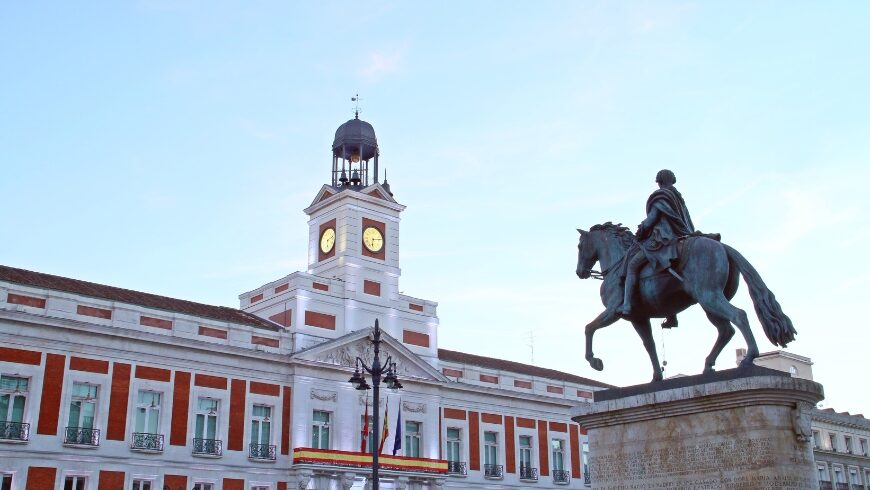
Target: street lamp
376 370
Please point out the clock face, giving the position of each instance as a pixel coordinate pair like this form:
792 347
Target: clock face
327 240
372 239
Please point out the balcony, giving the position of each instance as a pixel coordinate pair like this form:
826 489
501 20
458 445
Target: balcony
527 473
208 447
82 436
826 485
561 476
494 471
457 468
841 486
145 442
587 478
14 431
262 452
399 465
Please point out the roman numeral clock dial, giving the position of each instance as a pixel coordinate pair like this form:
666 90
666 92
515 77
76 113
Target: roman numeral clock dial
327 240
373 239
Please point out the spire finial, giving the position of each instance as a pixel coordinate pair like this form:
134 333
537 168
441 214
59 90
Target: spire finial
355 99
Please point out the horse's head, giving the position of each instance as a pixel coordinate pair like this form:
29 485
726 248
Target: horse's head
587 255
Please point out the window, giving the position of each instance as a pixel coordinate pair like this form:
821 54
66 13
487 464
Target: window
863 444
6 481
261 433
74 483
838 475
320 430
823 472
371 435
526 458
817 439
558 447
139 484
259 487
848 446
454 444
148 412
853 476
793 370
585 460
412 439
82 416
832 438
203 486
13 396
205 433
490 455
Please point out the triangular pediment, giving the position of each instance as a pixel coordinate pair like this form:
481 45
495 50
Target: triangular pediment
344 350
325 193
378 192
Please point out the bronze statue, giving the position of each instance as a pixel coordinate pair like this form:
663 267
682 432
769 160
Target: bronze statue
679 268
667 220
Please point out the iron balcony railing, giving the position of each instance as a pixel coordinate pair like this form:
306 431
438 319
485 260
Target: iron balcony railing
14 431
528 473
457 468
587 478
561 476
262 451
82 436
210 447
147 442
842 486
826 485
493 470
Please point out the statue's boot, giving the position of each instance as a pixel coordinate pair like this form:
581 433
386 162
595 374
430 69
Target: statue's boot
670 322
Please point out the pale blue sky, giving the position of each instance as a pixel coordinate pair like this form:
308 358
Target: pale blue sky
170 147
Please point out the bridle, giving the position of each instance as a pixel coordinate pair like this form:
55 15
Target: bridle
594 274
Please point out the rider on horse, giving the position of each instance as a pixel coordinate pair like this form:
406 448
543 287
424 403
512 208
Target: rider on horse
667 220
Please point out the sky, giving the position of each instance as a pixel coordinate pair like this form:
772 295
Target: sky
170 147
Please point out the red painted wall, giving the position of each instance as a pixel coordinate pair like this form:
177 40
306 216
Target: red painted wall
52 385
474 441
180 407
41 478
111 480
543 449
117 427
236 436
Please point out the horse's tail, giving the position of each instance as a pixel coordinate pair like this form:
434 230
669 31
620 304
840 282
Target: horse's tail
777 325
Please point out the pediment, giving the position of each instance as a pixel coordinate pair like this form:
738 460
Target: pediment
343 351
325 193
378 192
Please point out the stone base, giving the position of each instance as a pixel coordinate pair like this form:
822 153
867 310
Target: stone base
737 429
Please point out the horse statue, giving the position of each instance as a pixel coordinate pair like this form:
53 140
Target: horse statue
707 273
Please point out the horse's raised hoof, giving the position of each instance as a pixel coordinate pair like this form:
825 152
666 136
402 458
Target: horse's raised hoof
709 370
597 364
657 377
744 364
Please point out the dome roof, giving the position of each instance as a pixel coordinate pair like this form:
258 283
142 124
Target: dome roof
353 134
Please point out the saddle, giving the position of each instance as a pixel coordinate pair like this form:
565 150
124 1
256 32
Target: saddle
681 243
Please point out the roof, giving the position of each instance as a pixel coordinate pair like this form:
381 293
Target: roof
516 367
111 293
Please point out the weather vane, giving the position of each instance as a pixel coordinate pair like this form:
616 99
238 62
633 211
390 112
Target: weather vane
355 99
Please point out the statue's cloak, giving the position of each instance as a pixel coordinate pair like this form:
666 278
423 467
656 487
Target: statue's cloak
672 221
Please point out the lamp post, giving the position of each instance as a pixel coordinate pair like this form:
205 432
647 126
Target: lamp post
376 370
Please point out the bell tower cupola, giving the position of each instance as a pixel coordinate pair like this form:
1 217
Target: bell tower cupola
354 154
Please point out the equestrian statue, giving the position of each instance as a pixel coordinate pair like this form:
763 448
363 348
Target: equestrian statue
667 267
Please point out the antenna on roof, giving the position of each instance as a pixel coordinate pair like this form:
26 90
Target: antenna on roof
531 345
355 99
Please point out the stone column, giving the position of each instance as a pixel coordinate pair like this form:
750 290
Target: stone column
737 429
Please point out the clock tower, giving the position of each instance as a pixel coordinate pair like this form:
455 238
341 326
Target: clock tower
353 259
354 226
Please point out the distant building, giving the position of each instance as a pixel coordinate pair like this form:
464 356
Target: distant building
840 440
106 388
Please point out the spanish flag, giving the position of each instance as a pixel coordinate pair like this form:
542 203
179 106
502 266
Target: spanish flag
386 431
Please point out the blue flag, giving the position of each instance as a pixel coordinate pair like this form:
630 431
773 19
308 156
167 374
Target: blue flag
397 444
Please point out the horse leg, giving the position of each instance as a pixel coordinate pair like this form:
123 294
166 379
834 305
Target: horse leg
726 331
643 329
606 318
720 307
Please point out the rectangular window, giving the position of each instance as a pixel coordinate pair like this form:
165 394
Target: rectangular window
261 425
832 438
853 476
848 446
83 406
148 412
206 418
74 483
13 395
838 475
412 439
259 487
320 430
863 444
585 460
5 481
817 439
823 472
558 448
454 445
203 486
371 434
490 443
525 452
139 484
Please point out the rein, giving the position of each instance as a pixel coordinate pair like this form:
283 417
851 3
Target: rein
594 274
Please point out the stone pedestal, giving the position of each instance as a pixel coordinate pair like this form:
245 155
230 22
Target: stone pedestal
735 429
